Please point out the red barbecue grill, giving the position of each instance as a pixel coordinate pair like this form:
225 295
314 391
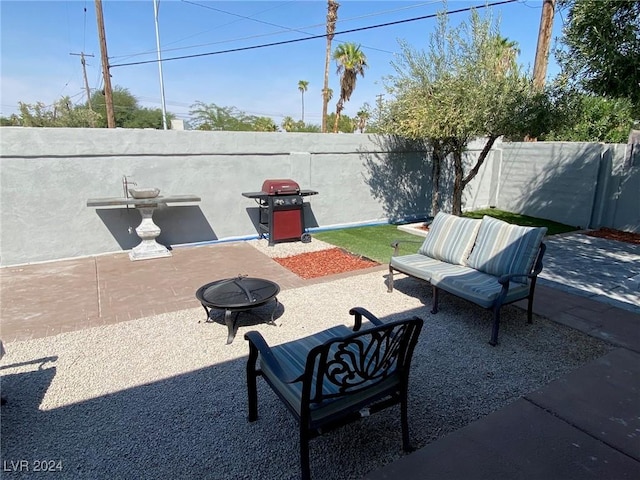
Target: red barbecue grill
281 210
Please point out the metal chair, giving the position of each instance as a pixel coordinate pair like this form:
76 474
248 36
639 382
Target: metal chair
336 376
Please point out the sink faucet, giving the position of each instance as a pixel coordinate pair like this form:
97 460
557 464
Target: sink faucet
125 185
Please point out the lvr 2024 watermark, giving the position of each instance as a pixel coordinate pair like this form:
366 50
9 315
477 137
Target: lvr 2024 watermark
32 465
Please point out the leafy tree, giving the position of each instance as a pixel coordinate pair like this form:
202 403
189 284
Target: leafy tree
302 86
332 18
64 114
601 53
264 124
213 117
128 113
307 127
582 117
12 120
35 115
61 114
290 125
351 62
345 123
467 85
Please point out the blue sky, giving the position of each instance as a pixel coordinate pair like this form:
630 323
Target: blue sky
37 39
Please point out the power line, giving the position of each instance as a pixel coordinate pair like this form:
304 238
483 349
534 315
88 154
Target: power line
131 55
229 23
297 40
285 29
243 17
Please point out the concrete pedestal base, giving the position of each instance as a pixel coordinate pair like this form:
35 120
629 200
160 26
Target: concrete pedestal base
148 232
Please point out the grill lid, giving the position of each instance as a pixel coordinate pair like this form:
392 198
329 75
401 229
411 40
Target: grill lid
280 186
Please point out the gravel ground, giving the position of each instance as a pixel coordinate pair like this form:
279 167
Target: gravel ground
164 397
289 249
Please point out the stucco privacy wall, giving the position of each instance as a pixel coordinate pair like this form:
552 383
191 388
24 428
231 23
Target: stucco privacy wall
47 175
553 180
589 185
620 206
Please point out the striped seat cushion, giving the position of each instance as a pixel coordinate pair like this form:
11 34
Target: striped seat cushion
502 248
450 238
416 265
477 287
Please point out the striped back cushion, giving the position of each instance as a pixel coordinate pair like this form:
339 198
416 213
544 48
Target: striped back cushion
503 248
450 238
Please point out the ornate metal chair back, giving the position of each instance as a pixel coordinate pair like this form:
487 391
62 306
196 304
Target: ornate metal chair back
375 357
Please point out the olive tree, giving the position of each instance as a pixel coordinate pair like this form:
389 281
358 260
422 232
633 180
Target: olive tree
465 85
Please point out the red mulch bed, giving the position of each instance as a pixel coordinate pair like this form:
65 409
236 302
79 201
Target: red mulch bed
612 234
324 262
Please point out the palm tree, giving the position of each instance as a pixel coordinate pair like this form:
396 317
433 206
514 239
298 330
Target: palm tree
507 52
363 117
288 124
328 94
332 17
302 86
351 62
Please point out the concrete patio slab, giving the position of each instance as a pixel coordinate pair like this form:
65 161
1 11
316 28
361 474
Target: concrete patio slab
601 399
49 298
597 268
520 441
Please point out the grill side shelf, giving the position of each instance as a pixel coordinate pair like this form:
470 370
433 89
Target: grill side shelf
260 195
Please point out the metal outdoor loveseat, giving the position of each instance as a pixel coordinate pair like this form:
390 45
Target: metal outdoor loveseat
488 262
336 376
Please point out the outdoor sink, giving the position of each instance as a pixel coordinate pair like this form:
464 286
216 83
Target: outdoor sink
144 192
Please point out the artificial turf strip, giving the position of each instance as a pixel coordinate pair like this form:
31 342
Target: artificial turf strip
374 242
371 242
553 228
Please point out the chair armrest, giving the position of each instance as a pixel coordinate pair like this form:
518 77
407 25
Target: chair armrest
396 245
359 312
257 344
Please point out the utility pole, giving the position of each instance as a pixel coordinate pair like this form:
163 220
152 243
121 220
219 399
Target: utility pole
164 109
84 74
544 41
108 93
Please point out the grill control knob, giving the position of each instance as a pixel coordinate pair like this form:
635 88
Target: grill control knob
279 201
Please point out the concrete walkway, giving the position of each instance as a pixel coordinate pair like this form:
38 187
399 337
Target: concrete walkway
604 270
584 425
